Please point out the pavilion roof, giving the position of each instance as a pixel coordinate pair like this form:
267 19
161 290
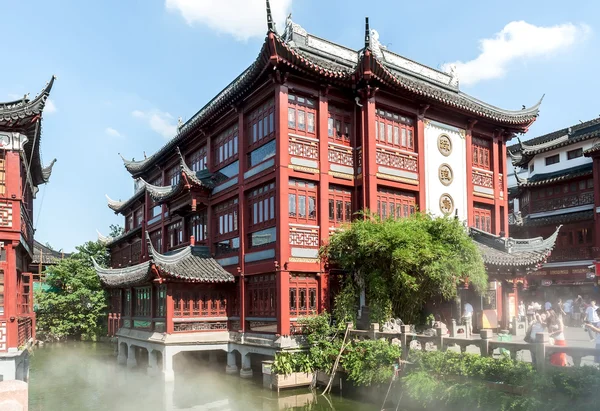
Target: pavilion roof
24 116
555 177
314 57
190 264
46 255
565 218
524 151
119 206
524 254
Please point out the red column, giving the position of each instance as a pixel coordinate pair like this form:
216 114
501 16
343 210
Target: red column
169 306
282 249
10 297
421 162
243 218
323 167
323 304
495 161
469 162
369 152
504 184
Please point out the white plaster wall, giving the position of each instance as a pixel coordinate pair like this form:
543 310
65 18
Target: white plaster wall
539 161
457 162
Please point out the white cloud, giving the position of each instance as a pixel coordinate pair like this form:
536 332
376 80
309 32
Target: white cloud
50 107
161 122
518 40
112 132
240 18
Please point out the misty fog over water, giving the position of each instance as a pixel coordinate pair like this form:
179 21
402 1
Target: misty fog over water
85 376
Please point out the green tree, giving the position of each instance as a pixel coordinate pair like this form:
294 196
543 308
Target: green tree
402 264
74 304
115 230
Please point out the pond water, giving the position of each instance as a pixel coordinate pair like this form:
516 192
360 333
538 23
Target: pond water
85 376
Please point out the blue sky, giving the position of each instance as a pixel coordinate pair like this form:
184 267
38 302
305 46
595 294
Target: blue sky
127 69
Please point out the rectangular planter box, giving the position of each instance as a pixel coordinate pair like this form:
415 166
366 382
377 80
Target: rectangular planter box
295 379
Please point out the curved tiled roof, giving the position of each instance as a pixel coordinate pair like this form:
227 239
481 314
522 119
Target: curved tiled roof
523 152
24 116
539 180
119 206
525 254
124 277
559 219
318 58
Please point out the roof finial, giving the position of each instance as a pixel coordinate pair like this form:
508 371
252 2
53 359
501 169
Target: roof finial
367 33
270 24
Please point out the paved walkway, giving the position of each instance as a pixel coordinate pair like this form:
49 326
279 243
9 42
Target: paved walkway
576 337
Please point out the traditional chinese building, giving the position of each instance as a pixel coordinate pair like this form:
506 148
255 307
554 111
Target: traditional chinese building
21 172
44 257
554 179
222 233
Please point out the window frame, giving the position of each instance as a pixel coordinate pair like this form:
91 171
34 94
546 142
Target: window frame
575 153
298 103
260 124
261 202
340 194
483 218
299 283
226 147
344 134
197 226
549 161
198 159
307 190
387 196
395 130
481 153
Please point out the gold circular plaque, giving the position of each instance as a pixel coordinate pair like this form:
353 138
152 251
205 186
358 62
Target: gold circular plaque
445 174
446 204
444 145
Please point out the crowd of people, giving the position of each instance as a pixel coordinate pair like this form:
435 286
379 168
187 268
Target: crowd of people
553 318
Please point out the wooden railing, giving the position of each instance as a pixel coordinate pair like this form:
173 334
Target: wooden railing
541 349
395 159
304 148
483 178
549 204
25 330
573 253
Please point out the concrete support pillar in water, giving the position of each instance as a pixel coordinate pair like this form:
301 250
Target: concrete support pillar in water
122 357
131 360
246 371
231 367
167 371
153 362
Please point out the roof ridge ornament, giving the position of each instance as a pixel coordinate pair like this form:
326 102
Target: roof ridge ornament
270 22
367 33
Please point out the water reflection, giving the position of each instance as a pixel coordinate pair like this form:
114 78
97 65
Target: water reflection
79 376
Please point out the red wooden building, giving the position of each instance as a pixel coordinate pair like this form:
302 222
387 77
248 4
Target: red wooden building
259 178
554 180
21 172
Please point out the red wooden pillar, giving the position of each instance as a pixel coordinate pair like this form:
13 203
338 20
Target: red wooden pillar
504 187
243 217
469 162
323 303
369 148
323 167
496 180
421 159
10 297
282 249
169 310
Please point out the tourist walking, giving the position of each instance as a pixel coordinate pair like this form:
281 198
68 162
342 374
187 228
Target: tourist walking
530 312
596 330
591 317
538 325
556 331
468 319
567 306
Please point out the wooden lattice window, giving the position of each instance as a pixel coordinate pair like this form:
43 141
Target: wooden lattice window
136 252
302 115
339 126
395 130
161 301
226 146
174 175
127 303
393 203
156 240
226 222
481 153
260 123
482 217
302 201
303 295
198 160
142 302
175 232
261 204
198 227
340 204
262 295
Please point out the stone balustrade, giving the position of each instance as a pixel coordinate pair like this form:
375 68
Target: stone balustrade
540 349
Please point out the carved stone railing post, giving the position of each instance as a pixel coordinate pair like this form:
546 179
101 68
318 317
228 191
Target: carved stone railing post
405 330
541 339
484 346
439 332
373 330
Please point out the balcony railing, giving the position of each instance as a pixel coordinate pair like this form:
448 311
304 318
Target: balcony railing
397 160
304 148
25 330
483 178
559 203
341 156
574 253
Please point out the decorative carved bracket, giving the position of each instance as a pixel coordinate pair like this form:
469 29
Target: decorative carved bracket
279 77
368 92
471 124
422 110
